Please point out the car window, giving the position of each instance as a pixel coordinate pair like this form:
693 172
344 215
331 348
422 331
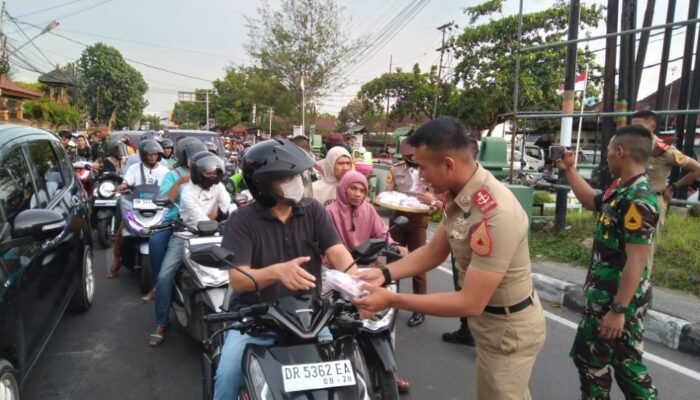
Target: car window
16 189
64 163
534 153
47 172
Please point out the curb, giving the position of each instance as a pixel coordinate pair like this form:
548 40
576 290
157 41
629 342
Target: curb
675 333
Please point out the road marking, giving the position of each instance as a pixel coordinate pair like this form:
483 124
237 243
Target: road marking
649 356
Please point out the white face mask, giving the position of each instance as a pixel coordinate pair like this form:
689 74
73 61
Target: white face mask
293 189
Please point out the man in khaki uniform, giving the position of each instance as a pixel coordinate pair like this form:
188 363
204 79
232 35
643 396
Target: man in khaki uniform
663 158
404 177
486 228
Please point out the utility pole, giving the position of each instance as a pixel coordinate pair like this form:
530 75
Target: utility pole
609 90
3 55
269 110
207 101
442 28
386 115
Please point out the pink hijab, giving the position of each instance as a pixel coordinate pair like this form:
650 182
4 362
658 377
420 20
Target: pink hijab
354 224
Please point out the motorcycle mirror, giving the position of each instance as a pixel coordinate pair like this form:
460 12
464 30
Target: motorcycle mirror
368 248
212 256
207 228
162 201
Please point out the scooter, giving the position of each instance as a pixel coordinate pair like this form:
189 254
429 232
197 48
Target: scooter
141 209
83 171
298 365
104 207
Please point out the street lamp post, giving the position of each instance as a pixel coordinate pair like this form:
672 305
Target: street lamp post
48 28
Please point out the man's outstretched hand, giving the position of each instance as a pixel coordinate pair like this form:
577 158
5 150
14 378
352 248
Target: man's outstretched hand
372 276
376 299
293 275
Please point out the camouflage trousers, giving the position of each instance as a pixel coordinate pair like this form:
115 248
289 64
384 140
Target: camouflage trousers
594 357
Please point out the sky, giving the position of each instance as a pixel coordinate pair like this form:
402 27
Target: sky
201 38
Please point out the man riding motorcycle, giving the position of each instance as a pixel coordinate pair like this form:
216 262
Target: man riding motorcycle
168 153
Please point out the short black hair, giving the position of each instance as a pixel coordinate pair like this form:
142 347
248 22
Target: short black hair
65 134
299 138
637 140
442 134
646 114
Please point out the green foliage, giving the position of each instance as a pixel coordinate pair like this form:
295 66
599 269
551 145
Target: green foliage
435 217
412 93
153 121
35 86
43 110
361 112
486 68
302 37
676 260
189 125
111 86
542 197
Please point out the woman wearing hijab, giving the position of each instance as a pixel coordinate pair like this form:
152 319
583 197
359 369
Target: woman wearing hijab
337 162
357 221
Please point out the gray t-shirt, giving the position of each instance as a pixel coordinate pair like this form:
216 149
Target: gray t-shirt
258 239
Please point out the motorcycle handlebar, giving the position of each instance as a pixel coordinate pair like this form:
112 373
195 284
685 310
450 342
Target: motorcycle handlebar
255 309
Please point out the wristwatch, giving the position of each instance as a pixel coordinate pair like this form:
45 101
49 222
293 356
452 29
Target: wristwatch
387 275
618 308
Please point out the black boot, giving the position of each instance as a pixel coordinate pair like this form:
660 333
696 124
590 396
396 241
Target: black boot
460 336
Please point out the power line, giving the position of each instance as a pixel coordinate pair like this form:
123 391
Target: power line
73 13
31 41
49 8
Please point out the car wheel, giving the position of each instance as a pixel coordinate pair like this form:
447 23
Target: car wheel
85 294
9 384
104 234
146 274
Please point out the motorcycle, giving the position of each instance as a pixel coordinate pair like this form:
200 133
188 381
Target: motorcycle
141 209
297 365
83 171
104 207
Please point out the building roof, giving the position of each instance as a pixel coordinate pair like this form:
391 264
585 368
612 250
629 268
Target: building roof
325 124
357 129
404 131
239 128
11 89
57 77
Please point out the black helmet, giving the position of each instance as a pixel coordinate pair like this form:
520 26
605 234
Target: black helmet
117 149
269 161
211 147
186 149
205 161
147 147
167 143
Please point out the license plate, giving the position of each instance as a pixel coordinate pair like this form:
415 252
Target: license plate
317 376
106 203
141 204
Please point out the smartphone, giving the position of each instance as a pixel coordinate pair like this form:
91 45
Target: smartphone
556 152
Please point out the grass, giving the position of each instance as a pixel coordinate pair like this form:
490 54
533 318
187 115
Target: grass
676 261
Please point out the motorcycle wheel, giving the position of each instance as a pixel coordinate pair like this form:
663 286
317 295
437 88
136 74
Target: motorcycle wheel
383 382
9 384
104 236
146 274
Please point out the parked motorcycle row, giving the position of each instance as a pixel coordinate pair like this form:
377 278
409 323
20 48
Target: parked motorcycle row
358 363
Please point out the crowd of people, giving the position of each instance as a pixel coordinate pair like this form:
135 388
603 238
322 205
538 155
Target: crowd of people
302 202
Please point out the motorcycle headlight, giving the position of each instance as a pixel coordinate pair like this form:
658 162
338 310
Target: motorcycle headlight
262 389
107 189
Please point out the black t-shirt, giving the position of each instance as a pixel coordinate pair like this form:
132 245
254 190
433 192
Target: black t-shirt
258 239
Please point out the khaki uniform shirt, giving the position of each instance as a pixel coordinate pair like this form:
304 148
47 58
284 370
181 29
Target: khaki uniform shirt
660 165
487 229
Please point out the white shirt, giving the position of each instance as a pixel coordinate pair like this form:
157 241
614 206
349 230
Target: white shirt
154 176
196 203
135 159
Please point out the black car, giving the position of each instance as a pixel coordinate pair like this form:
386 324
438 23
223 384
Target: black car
46 261
204 136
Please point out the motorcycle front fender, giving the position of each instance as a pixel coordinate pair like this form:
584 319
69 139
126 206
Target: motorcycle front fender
384 351
105 213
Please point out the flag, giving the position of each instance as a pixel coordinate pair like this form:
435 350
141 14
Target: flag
579 84
302 82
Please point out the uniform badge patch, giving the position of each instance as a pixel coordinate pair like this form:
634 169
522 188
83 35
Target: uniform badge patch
481 242
662 145
484 201
679 157
633 219
389 178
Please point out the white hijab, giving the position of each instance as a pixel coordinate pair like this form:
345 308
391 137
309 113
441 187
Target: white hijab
324 190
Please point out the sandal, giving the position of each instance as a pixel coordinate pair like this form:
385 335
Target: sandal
149 296
156 338
112 272
402 385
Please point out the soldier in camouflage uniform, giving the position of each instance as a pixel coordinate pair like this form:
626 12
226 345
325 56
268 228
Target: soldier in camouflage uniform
617 288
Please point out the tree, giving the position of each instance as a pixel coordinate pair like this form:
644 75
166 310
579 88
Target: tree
486 68
303 38
153 122
361 112
58 115
412 93
112 89
187 112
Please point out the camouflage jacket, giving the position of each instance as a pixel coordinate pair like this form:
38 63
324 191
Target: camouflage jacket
628 214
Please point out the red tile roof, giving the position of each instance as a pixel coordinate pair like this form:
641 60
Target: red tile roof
12 89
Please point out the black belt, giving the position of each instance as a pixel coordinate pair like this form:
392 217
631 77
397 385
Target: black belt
510 310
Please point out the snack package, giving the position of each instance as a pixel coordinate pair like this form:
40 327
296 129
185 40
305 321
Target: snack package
344 284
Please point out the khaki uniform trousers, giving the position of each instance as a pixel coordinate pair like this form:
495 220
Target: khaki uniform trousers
506 349
663 207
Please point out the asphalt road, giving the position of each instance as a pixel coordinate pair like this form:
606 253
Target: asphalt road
103 355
